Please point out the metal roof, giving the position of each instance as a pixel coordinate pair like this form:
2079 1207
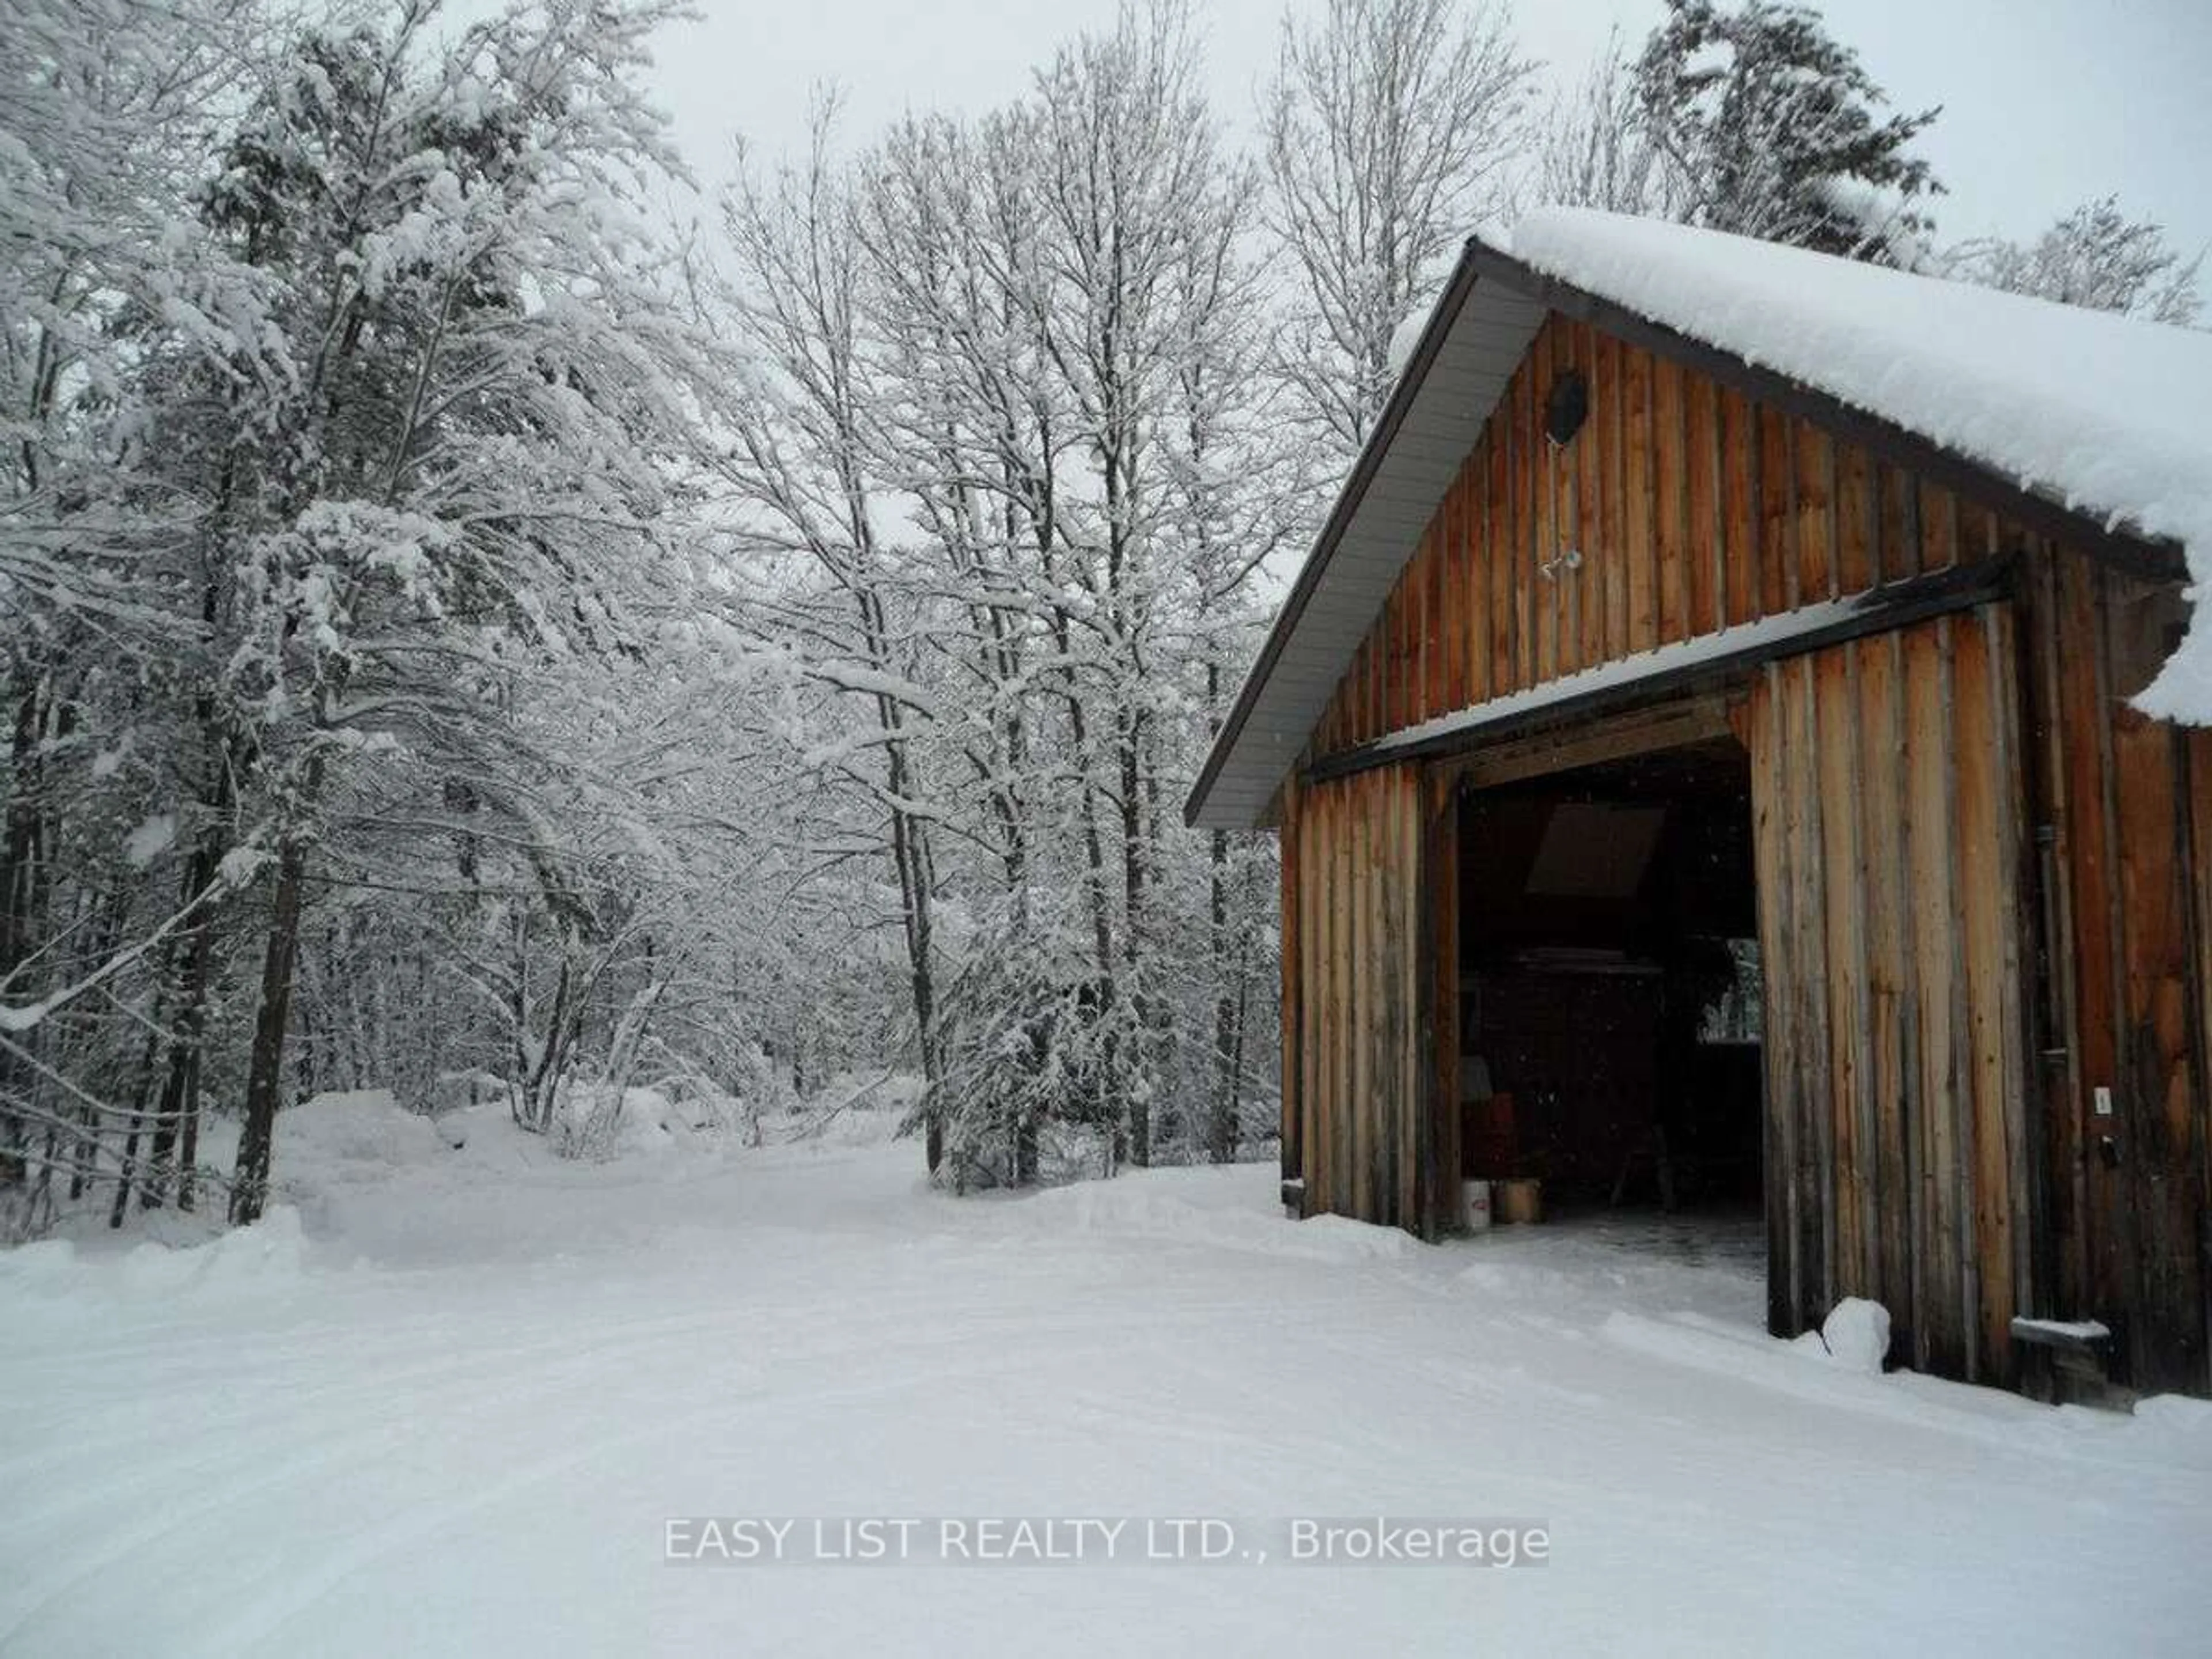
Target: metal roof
1459 369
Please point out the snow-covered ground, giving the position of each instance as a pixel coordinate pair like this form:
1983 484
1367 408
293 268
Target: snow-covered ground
449 1402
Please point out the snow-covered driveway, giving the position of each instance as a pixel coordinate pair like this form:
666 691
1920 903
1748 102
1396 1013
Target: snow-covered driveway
457 1419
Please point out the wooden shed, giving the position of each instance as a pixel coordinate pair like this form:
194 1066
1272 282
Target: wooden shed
1698 605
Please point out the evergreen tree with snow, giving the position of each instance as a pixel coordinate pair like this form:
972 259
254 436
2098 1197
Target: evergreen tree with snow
1778 130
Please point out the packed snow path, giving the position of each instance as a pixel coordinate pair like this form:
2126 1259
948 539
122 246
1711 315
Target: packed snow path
456 1419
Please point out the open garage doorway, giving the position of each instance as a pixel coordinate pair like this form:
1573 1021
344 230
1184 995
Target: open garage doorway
1609 1014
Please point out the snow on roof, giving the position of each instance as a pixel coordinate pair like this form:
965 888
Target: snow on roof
2109 414
2108 417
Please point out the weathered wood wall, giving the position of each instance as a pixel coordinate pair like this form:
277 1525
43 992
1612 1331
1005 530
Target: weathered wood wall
1693 508
1354 906
2125 875
1885 798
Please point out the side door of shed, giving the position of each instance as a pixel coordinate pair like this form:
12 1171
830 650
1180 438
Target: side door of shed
1887 791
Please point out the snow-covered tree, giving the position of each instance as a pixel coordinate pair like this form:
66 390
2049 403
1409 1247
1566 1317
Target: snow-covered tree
1388 129
461 471
806 461
1593 148
460 636
1014 400
110 291
359 398
2094 256
1775 126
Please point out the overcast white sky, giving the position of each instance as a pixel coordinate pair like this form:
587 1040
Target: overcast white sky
2045 102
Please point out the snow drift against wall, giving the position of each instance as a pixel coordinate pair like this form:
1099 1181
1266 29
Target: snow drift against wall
2110 415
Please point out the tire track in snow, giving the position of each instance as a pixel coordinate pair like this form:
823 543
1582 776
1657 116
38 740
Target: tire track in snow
304 1588
304 1452
249 1421
295 1460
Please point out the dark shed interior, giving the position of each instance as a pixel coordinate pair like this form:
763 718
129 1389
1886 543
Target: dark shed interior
1609 993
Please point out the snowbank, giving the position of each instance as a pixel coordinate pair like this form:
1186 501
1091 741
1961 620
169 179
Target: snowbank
1219 1208
270 1256
601 1124
2110 415
351 1132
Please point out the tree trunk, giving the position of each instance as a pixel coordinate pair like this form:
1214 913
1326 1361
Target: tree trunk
19 886
1228 981
1133 900
180 1086
176 1124
143 1093
910 852
911 855
264 1075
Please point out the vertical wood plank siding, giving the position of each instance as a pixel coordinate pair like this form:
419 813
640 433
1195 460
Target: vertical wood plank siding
1355 1095
1888 828
1691 509
2127 994
1985 882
